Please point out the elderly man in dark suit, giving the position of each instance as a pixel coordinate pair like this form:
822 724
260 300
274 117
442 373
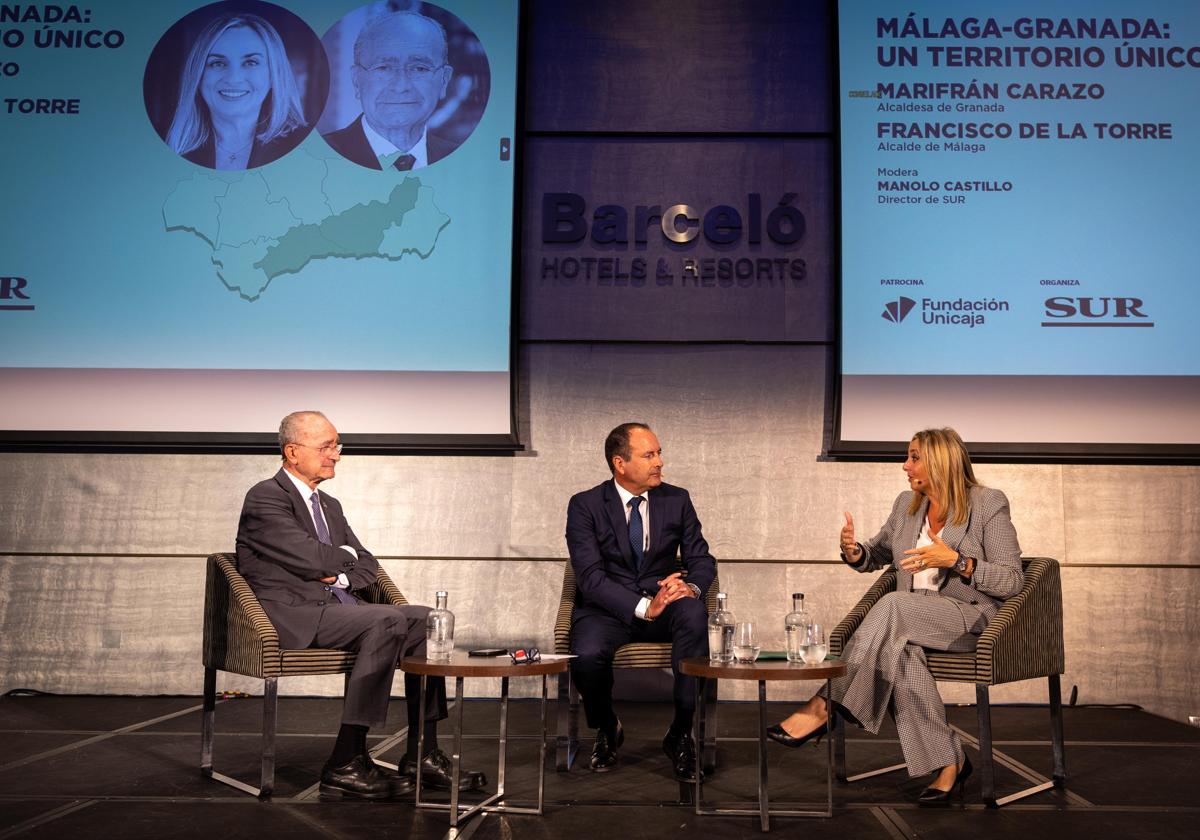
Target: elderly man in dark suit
303 561
627 537
401 71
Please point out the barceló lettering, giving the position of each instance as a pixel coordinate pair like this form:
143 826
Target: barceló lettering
563 221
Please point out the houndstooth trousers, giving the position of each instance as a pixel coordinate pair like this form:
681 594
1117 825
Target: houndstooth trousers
886 671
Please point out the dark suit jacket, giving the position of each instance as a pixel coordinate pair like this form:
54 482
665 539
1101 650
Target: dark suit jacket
987 536
352 144
283 561
598 542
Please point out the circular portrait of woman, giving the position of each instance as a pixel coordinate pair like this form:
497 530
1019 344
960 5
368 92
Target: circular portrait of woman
236 85
409 83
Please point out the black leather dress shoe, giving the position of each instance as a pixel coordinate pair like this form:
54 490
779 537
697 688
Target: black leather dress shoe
359 779
780 736
401 784
681 749
604 751
437 773
931 797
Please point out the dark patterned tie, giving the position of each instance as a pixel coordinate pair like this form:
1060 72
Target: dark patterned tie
636 532
404 162
323 535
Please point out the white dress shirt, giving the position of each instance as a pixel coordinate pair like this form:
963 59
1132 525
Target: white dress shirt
306 492
385 148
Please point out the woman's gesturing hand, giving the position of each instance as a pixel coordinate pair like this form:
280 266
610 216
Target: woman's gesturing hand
849 546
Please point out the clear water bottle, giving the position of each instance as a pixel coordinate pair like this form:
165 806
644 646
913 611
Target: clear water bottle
720 632
795 624
439 631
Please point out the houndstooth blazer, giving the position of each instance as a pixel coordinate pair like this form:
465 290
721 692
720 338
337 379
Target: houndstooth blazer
987 536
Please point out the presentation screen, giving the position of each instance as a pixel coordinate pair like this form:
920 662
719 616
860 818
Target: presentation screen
218 214
1020 193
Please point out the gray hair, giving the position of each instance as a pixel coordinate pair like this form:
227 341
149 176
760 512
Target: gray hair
375 25
289 427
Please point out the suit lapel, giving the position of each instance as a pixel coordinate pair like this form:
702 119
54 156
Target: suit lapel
616 516
654 509
299 503
952 535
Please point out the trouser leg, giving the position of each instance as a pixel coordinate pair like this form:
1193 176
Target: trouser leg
687 623
380 634
879 664
594 640
926 739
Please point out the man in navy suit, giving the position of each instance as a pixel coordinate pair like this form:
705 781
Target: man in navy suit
400 73
627 538
303 561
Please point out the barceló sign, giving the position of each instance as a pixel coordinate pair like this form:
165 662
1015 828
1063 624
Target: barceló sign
564 221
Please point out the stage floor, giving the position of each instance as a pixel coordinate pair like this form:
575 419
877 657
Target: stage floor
121 767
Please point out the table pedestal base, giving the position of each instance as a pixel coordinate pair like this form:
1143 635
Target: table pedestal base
764 811
460 812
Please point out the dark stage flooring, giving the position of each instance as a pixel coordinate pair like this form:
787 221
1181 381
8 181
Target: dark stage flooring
100 767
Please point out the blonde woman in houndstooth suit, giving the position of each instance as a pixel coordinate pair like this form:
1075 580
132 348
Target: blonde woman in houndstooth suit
957 559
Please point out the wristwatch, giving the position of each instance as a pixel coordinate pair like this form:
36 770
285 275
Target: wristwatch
960 565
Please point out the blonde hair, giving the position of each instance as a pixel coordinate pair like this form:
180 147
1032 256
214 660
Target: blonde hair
281 111
950 474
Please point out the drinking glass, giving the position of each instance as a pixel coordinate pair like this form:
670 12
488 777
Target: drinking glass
814 648
745 643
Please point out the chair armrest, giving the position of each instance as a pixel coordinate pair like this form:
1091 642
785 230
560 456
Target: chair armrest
566 607
382 591
238 636
841 634
1024 639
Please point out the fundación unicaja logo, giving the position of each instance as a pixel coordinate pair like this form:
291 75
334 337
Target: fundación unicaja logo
897 310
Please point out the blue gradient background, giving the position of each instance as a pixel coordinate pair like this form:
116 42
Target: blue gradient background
1119 216
83 222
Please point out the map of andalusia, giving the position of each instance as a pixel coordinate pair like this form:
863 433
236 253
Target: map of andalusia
271 222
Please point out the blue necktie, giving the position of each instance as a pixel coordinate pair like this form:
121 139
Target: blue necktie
636 532
323 535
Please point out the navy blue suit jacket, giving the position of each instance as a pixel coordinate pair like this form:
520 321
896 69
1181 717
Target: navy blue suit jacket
283 561
606 579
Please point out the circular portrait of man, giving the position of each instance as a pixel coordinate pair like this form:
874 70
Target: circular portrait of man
409 83
236 85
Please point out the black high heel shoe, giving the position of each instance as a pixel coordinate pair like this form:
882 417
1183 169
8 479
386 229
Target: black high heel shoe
931 797
779 735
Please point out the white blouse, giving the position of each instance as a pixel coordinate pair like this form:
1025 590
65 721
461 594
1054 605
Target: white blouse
926 578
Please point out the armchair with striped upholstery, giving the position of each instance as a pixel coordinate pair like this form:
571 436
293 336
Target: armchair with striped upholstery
633 655
240 639
1023 641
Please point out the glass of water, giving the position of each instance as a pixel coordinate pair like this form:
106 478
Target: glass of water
814 648
745 643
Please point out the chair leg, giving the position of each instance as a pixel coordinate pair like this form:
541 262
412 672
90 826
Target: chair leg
573 730
839 748
708 751
567 725
1056 731
987 771
270 713
208 721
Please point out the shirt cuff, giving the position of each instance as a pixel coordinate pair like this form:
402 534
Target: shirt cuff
342 581
641 609
695 589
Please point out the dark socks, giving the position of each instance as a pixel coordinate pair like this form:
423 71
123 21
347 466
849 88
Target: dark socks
351 741
431 742
682 724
